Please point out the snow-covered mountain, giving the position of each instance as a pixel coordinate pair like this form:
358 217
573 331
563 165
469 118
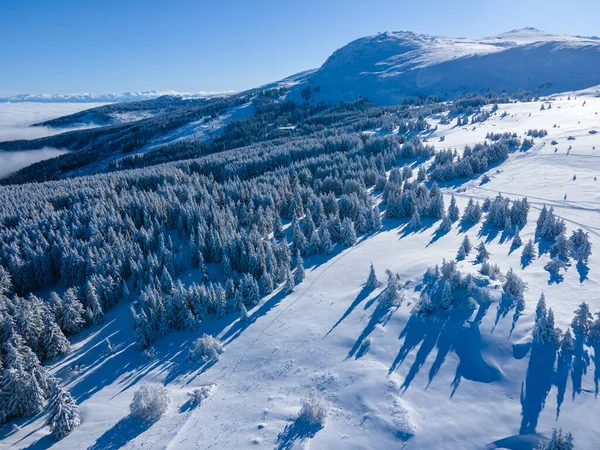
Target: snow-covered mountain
84 97
389 66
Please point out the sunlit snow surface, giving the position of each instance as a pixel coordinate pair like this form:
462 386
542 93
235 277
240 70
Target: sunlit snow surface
392 382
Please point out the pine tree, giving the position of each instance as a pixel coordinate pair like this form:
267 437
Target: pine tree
63 413
393 294
529 251
559 440
372 282
582 321
482 253
581 247
299 269
93 313
142 329
71 315
544 331
517 242
447 297
265 284
465 247
415 220
513 286
325 238
54 342
178 311
540 309
453 211
289 283
445 225
244 317
348 234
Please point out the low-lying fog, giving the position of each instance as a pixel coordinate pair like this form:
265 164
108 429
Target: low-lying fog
15 121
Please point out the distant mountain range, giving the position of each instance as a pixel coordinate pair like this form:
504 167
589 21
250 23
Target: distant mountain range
85 97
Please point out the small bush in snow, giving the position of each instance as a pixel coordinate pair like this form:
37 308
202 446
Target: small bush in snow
150 401
314 411
206 348
559 441
149 354
197 396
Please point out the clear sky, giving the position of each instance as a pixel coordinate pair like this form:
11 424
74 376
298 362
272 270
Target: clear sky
63 46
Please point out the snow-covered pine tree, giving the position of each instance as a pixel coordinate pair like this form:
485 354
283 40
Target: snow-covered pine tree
393 294
514 286
299 269
529 251
348 238
325 239
543 331
541 309
559 440
71 315
445 225
582 321
517 242
453 211
581 247
372 281
63 413
482 253
415 220
289 283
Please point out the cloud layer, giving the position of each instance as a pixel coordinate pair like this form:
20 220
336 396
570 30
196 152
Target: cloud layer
16 118
12 161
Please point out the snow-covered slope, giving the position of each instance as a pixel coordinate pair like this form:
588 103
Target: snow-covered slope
84 97
389 66
392 381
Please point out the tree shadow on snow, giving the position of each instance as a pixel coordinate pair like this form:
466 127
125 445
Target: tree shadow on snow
42 443
488 232
362 295
453 333
518 442
537 385
382 313
596 359
581 361
563 368
127 429
296 432
583 270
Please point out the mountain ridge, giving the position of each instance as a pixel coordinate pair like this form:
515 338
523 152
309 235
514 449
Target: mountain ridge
125 97
390 66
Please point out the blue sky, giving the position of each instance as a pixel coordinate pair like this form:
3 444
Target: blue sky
64 46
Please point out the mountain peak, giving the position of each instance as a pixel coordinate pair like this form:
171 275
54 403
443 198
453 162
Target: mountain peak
389 66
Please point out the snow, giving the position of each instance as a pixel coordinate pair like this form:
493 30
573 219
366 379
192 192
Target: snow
200 130
388 66
391 380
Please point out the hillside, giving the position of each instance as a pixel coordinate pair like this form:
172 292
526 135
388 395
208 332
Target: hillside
461 378
390 66
386 69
